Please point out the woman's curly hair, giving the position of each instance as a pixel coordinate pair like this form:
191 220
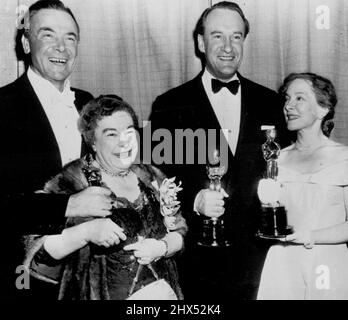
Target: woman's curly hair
324 92
97 109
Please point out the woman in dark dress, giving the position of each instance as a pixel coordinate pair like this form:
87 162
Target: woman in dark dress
112 257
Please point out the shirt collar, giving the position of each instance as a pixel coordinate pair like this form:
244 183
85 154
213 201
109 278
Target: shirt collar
48 93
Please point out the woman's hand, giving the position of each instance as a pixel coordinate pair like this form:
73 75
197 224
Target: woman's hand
301 237
147 250
103 232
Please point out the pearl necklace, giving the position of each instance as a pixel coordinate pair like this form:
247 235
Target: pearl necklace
121 174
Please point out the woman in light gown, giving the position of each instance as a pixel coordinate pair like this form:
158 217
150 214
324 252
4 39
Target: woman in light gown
312 263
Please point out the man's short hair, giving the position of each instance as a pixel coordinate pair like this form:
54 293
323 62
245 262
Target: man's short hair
51 4
221 5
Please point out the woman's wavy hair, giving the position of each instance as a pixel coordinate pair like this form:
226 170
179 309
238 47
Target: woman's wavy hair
97 109
324 92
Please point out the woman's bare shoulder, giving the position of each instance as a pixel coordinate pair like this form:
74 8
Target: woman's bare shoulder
334 152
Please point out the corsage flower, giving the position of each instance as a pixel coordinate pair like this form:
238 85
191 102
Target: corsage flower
168 201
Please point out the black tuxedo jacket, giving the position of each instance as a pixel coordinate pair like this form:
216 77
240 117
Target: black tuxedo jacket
209 273
29 156
188 107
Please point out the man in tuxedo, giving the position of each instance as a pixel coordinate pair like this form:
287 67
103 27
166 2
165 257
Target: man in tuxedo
220 98
38 126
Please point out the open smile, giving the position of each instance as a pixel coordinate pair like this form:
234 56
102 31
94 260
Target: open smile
58 61
226 58
124 154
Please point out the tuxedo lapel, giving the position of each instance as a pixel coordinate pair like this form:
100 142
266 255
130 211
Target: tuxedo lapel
49 142
243 111
39 122
81 98
205 111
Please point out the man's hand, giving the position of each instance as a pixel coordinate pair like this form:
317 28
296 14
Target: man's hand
90 202
103 232
211 203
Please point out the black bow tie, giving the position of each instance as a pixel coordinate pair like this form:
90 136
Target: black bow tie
233 85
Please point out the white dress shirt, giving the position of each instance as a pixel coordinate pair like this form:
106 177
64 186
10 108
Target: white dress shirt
61 113
227 108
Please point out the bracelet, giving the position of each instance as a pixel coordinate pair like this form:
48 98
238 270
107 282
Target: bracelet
167 247
310 243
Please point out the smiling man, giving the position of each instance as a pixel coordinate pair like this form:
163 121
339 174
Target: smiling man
38 123
221 98
51 37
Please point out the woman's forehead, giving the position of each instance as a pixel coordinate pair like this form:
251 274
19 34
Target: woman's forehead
118 120
300 86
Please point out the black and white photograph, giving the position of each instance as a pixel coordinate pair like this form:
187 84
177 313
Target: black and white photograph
170 150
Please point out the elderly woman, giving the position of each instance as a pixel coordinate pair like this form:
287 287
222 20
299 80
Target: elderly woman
312 263
113 257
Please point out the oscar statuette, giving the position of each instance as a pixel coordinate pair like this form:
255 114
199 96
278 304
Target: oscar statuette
273 219
213 233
